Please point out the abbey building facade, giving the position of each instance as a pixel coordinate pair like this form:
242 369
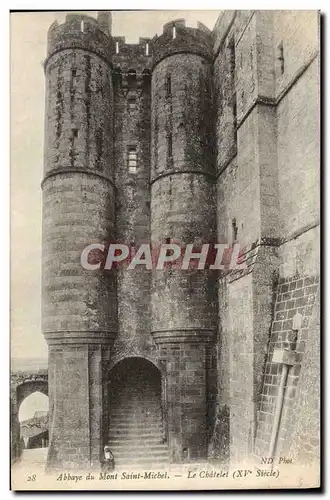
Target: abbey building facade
194 136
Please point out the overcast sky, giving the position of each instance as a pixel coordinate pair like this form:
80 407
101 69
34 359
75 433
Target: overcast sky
28 51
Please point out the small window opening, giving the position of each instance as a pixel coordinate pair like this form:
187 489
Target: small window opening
231 48
99 147
168 241
117 47
174 32
131 78
168 86
74 76
169 146
132 160
280 57
74 138
147 49
234 230
131 104
82 26
235 113
146 77
117 76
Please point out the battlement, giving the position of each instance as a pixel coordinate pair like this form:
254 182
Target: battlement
131 78
132 51
177 23
178 38
83 32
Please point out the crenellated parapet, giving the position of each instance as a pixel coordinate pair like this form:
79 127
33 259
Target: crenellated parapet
18 378
132 63
82 32
177 38
131 79
132 52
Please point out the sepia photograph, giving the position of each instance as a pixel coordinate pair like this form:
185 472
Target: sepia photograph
165 250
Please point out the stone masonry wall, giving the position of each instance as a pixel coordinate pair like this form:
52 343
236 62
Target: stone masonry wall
297 116
270 190
132 129
252 165
78 132
78 415
294 295
77 212
183 211
305 445
186 408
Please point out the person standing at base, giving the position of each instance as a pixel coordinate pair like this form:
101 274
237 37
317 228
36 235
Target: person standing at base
108 463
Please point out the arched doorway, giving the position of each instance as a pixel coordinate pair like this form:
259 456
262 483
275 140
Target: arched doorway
30 424
33 419
135 414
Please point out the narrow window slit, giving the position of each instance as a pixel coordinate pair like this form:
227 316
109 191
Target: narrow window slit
169 146
132 160
235 113
168 86
234 230
131 104
74 76
280 57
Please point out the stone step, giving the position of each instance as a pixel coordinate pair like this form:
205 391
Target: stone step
34 455
137 429
147 439
136 438
145 464
135 426
141 414
128 416
123 428
150 457
139 408
127 447
137 454
144 437
144 461
136 432
135 423
135 416
129 399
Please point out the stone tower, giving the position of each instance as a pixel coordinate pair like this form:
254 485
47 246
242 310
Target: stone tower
182 211
79 307
190 137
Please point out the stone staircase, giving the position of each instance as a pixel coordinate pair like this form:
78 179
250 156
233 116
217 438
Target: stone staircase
37 456
136 434
31 461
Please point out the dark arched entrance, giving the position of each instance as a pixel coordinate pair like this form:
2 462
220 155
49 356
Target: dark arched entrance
135 414
35 437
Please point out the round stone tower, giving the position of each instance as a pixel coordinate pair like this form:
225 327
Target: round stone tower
183 211
79 305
